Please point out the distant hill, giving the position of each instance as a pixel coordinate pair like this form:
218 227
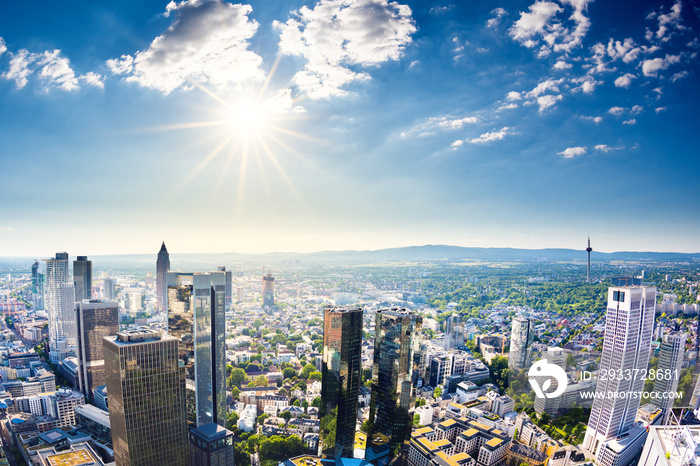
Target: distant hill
426 253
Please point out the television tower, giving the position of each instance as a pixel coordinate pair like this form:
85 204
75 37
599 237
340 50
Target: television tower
588 250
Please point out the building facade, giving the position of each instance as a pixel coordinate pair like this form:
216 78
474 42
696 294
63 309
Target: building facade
393 377
162 268
268 290
629 323
146 392
82 278
669 371
56 278
211 445
197 318
341 374
95 319
454 332
521 338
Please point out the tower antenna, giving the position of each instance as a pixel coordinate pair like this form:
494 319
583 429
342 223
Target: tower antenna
588 250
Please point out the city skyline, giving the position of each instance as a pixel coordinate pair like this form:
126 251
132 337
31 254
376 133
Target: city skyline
418 123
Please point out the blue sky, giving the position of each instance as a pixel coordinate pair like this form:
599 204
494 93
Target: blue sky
347 124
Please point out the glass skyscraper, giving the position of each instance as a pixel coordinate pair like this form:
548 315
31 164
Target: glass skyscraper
522 336
162 268
145 388
393 376
341 374
196 317
82 278
94 320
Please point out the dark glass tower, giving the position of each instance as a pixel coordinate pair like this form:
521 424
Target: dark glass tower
146 392
197 317
162 268
211 445
393 376
82 278
94 321
341 375
268 290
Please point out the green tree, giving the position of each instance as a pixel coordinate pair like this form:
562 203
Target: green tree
288 373
257 323
315 376
237 377
260 381
232 420
307 370
316 403
286 416
235 392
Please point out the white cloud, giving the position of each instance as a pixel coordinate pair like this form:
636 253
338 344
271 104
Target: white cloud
541 22
605 148
458 143
512 95
19 69
617 111
631 122
670 21
571 152
562 65
93 79
595 120
544 86
547 101
508 106
207 42
3 47
56 71
660 109
492 136
534 22
497 13
636 110
432 125
651 67
338 34
625 80
440 9
679 75
587 86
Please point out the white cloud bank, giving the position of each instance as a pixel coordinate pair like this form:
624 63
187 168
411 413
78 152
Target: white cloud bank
54 70
492 136
207 42
571 152
336 35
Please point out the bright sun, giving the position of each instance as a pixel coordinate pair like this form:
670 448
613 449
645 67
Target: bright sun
245 118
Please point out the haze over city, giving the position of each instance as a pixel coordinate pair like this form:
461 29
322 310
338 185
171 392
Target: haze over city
305 126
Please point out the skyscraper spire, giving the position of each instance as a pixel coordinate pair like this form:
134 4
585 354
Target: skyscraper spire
588 250
162 267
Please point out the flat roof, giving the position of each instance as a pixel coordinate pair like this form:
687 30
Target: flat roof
447 459
494 442
427 444
470 432
448 423
71 458
478 425
441 442
424 430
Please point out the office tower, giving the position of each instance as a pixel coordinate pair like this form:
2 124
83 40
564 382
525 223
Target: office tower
95 320
454 332
211 445
37 286
229 285
146 393
268 290
588 270
522 336
340 377
196 318
629 323
56 276
82 278
162 268
669 370
672 446
109 289
393 376
440 369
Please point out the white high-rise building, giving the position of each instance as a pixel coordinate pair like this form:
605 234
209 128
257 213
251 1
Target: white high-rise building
522 336
57 275
629 322
669 371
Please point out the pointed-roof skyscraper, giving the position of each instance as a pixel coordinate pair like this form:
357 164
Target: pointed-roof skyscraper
162 268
